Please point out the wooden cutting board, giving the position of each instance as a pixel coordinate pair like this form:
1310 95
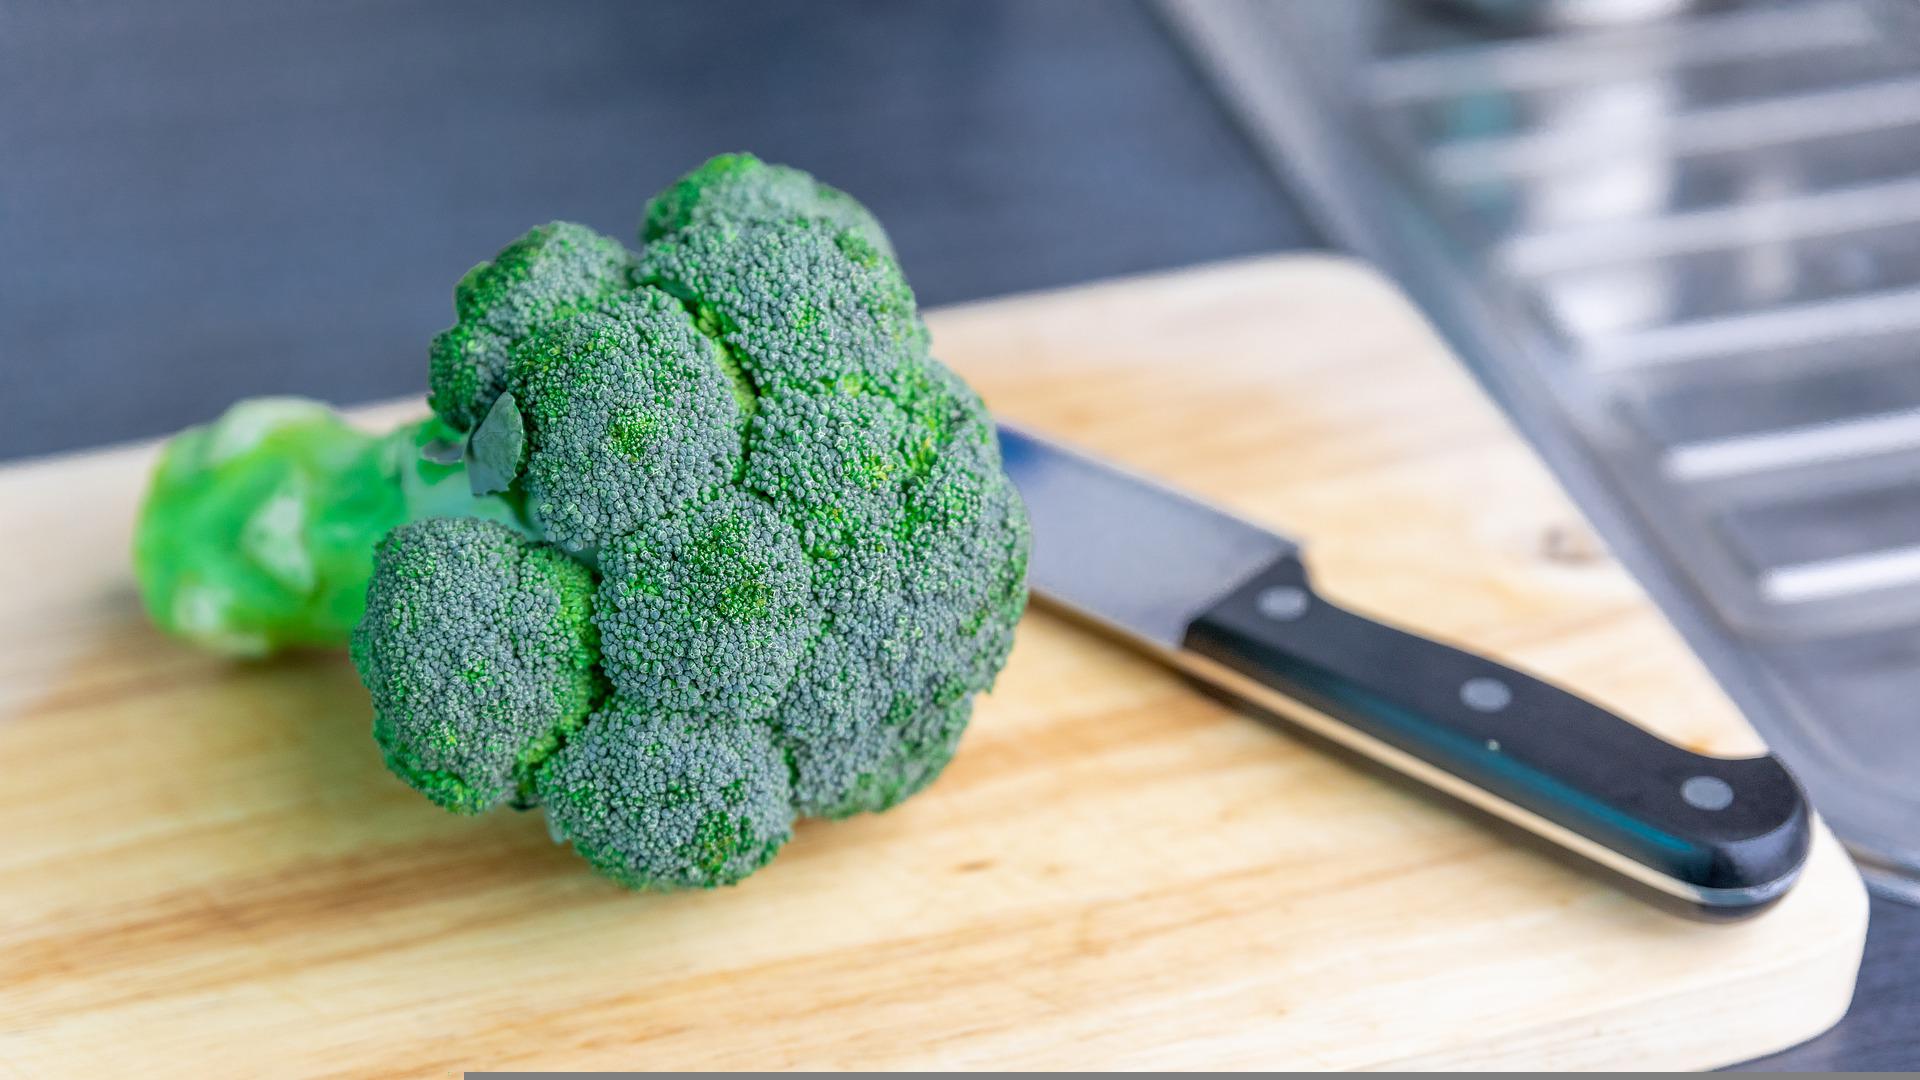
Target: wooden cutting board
210 873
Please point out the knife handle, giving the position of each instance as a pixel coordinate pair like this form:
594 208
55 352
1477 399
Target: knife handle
1726 835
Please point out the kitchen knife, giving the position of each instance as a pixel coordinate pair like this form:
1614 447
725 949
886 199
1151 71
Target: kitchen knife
1233 605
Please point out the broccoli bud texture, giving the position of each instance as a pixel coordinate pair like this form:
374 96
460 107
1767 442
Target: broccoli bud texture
752 555
480 652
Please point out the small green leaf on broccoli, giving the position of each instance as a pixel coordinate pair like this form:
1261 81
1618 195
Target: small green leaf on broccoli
497 448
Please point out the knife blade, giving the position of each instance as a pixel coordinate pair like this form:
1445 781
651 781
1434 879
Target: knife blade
1233 605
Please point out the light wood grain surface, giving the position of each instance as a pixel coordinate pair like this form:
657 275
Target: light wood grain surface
209 872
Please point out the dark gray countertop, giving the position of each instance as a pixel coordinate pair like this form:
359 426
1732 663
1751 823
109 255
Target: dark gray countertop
200 200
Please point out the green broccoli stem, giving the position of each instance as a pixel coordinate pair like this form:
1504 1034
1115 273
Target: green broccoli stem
258 530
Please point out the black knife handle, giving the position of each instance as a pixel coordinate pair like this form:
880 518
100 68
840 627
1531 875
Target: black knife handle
1728 834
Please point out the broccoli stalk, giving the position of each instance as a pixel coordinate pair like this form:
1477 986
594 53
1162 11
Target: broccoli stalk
257 530
766 555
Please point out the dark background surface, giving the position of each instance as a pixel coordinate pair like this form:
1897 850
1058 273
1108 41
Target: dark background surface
201 201
205 200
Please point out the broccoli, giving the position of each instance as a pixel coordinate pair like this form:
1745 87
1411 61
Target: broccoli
733 547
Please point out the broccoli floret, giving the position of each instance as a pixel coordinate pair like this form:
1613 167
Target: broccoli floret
770 557
795 303
631 419
742 188
707 611
660 800
257 530
834 465
969 534
878 706
480 651
554 270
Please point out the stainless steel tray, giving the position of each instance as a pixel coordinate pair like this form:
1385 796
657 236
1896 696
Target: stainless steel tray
1681 243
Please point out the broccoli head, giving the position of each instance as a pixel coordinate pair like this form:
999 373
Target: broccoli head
761 555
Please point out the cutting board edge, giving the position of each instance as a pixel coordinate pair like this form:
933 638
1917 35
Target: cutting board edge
1836 962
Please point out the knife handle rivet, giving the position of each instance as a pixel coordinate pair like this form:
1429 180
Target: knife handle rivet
1484 694
1707 793
1282 603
